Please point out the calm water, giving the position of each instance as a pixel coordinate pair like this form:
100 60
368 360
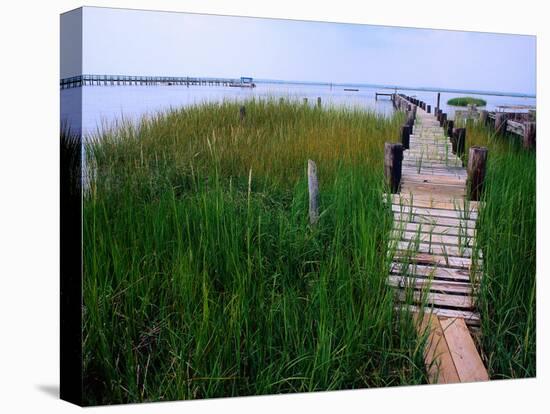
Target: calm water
104 105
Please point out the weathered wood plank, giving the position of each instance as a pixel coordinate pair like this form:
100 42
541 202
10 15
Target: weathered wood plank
439 286
437 356
471 318
436 249
434 229
439 273
455 241
435 212
467 360
459 204
439 299
408 186
433 259
440 221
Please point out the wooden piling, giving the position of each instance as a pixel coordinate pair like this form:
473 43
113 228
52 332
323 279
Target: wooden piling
393 159
313 188
443 119
453 140
242 113
477 161
410 119
483 117
450 125
305 101
438 98
460 141
318 102
405 136
529 135
500 122
429 109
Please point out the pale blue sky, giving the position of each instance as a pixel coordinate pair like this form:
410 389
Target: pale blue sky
175 44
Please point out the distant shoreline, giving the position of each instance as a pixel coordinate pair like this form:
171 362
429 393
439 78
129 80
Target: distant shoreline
398 87
336 84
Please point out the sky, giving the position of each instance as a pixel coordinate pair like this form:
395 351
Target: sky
133 42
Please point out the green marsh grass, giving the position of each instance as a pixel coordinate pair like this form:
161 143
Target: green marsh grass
202 275
507 237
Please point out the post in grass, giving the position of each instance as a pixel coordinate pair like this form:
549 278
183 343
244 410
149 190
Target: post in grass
318 102
313 188
242 113
410 118
477 161
483 117
500 122
393 159
450 125
529 135
460 141
405 136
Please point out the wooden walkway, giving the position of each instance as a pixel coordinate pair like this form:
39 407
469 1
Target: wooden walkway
435 269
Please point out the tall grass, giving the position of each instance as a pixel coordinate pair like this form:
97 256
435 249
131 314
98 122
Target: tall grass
202 276
507 237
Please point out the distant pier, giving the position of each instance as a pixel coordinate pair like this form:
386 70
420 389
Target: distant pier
124 80
377 94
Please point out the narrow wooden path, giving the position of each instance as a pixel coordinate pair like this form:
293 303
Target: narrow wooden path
435 263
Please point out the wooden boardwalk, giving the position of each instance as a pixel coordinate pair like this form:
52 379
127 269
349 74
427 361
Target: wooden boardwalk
435 266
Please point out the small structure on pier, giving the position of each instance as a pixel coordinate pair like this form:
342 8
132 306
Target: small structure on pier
377 94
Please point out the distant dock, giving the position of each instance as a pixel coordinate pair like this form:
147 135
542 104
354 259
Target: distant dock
124 80
377 94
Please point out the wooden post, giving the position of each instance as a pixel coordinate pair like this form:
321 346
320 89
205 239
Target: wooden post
305 101
477 161
393 159
454 133
450 125
429 109
313 188
460 141
242 113
410 119
438 97
318 102
483 117
442 119
500 122
405 136
529 135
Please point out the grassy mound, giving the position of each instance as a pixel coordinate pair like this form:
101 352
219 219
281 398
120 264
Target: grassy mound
466 100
